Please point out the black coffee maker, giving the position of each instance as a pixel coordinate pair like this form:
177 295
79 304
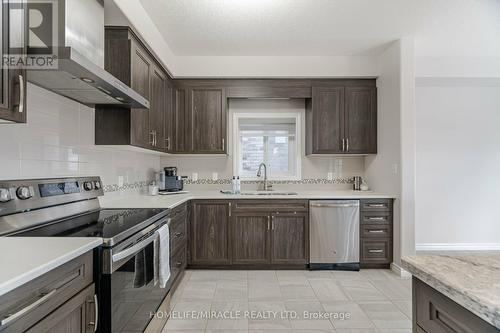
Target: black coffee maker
173 183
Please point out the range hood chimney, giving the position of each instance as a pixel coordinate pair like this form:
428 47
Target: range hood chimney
80 73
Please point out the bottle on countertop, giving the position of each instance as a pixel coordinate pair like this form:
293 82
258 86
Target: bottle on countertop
238 185
234 185
161 180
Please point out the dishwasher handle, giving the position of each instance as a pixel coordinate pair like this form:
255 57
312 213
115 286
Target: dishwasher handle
335 205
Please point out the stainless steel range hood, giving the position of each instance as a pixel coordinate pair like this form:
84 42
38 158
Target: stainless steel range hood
80 73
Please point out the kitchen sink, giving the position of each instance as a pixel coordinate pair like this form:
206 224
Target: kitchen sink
268 193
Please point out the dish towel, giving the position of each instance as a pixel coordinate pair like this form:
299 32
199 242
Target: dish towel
162 256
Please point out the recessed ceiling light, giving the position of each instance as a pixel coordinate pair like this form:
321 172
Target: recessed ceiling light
86 79
121 99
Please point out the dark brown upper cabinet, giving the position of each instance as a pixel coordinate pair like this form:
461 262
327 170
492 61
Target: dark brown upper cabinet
127 58
13 81
342 119
200 119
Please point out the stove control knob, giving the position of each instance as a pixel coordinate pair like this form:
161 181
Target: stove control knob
97 185
23 193
5 195
88 186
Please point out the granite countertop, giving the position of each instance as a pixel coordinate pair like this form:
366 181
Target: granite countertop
26 258
472 279
173 200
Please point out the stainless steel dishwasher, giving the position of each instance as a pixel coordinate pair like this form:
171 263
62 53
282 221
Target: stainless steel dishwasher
334 234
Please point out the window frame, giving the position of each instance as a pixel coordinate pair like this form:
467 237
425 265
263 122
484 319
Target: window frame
274 115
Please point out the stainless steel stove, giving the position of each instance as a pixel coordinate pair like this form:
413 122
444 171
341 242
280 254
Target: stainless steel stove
69 207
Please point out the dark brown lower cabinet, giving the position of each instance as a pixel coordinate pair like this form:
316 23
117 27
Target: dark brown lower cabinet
290 238
75 316
210 232
376 233
433 312
250 238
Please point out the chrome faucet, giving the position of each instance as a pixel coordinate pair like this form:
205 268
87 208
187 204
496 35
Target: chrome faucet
266 185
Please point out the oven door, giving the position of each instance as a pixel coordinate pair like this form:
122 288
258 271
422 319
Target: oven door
130 295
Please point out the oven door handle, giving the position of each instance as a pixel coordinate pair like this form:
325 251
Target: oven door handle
133 249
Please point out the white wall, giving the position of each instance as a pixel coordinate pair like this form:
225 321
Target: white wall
382 171
58 141
458 163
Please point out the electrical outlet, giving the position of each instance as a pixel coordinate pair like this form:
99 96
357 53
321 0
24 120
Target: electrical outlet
215 176
194 176
120 181
329 175
395 168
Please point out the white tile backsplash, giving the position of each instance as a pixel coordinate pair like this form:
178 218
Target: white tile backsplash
58 141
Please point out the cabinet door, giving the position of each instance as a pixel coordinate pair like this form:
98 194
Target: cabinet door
157 108
250 238
140 81
75 316
361 120
208 114
13 81
209 232
182 130
290 238
168 118
327 115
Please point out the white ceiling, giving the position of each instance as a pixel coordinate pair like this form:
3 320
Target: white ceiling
309 27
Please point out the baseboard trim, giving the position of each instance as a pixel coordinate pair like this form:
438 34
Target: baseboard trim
457 247
400 271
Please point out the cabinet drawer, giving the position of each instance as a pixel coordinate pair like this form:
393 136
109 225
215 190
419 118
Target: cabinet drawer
376 231
178 211
33 301
178 233
437 313
178 262
376 251
271 205
376 218
376 205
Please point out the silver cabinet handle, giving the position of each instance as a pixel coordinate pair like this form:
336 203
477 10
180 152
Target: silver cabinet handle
178 234
343 144
229 204
377 218
152 135
223 144
96 315
168 143
375 251
268 222
156 139
376 205
347 144
27 309
376 231
272 223
21 94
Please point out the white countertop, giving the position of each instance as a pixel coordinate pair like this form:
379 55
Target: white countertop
173 200
26 258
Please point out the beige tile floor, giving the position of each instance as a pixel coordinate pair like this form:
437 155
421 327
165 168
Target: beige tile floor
377 301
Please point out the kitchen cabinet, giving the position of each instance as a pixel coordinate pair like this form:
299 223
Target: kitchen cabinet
200 119
249 233
290 238
342 120
250 238
434 312
78 315
127 58
61 300
209 236
376 233
12 80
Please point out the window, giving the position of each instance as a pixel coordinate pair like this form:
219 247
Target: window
271 139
